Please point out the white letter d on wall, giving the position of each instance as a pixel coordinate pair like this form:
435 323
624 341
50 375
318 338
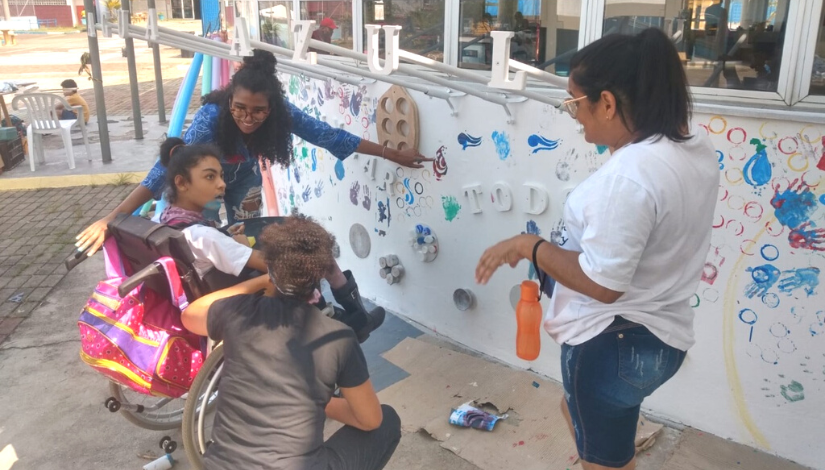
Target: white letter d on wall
391 36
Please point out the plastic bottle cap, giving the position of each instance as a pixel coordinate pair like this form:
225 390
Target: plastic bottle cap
529 291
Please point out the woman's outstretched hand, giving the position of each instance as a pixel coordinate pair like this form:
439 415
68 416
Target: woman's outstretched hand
93 236
509 251
409 158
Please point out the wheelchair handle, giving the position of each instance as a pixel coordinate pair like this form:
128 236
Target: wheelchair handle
134 280
75 258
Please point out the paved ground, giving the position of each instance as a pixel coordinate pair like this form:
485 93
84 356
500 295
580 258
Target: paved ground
37 234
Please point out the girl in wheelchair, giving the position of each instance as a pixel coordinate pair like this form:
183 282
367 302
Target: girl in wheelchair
283 359
194 179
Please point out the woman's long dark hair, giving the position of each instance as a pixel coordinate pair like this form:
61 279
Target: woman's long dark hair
645 75
273 140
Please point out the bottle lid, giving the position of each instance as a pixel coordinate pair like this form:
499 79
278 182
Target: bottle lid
529 291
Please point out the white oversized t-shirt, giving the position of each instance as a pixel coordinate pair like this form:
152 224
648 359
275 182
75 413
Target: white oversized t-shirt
212 248
642 223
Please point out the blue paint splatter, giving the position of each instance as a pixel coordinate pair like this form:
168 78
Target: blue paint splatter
297 174
757 171
306 194
802 278
384 212
601 149
793 208
355 103
339 170
314 160
502 144
721 159
822 199
764 277
541 143
466 140
408 197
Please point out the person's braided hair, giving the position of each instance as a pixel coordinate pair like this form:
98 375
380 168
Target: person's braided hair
298 253
273 140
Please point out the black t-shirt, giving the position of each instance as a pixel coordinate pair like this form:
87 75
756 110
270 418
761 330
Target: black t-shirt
282 361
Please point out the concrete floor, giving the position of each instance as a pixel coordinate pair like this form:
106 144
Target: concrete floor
52 410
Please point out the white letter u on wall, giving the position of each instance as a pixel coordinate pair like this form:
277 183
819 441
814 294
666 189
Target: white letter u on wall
391 36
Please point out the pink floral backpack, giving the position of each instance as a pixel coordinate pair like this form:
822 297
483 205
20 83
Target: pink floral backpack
138 340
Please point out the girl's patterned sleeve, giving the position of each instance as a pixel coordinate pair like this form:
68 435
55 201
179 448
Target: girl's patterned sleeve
204 126
339 142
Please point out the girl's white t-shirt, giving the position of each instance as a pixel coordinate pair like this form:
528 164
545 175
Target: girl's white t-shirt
212 248
642 223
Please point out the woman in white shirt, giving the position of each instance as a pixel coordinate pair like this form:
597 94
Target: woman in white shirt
194 179
638 233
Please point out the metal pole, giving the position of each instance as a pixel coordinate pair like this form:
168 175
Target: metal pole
97 75
150 5
133 80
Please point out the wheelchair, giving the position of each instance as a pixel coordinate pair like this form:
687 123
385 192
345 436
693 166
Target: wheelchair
141 243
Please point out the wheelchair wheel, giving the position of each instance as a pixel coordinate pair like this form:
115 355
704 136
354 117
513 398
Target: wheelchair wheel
145 411
198 414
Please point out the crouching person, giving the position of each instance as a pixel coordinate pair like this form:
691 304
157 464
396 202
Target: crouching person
283 360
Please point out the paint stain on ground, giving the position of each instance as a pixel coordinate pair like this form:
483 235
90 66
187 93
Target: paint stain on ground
601 149
339 170
502 143
793 392
540 143
466 140
440 163
451 207
757 171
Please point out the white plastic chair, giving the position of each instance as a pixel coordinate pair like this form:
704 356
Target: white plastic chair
43 119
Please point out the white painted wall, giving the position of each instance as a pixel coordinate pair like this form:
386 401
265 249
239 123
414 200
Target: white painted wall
733 380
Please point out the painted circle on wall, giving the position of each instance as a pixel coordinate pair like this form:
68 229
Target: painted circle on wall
771 300
769 252
359 240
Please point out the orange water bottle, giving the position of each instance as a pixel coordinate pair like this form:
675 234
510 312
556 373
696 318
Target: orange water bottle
528 316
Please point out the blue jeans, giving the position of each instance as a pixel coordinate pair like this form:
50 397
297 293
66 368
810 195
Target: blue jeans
605 380
243 192
67 114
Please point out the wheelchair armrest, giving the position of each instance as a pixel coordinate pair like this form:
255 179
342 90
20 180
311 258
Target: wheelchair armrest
75 258
133 281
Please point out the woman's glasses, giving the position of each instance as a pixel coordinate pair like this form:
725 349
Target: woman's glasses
571 105
258 115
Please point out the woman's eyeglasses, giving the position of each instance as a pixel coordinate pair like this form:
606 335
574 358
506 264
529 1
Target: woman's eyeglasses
571 105
259 115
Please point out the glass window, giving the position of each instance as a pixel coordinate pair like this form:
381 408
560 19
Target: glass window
334 18
818 72
546 32
421 21
734 44
274 22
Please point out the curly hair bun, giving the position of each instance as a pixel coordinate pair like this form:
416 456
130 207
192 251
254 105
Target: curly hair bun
261 61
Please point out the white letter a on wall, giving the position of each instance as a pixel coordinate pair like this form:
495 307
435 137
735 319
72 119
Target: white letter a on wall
391 36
